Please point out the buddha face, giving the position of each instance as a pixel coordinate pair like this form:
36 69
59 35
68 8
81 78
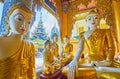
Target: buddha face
55 38
19 21
66 40
48 45
92 20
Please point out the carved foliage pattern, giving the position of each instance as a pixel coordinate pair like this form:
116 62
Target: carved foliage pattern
106 7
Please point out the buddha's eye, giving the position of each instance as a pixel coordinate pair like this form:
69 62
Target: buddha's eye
19 17
95 17
89 18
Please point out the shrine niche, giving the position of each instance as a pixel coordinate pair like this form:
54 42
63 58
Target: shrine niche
67 19
108 10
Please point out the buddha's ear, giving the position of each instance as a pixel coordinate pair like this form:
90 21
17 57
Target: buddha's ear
6 20
6 26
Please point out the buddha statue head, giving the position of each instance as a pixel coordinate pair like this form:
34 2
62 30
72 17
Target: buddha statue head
66 39
18 19
47 44
92 19
55 38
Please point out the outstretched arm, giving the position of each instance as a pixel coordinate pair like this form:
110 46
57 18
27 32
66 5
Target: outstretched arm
80 49
73 64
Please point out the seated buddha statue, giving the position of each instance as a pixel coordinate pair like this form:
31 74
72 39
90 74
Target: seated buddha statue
49 64
17 58
54 46
67 49
95 53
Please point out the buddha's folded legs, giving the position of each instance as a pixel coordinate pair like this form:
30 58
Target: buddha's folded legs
108 72
82 72
85 72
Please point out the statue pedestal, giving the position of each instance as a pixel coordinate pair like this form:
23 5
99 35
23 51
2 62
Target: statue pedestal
85 73
56 75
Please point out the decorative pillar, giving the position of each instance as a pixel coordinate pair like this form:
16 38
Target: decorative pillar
62 13
116 8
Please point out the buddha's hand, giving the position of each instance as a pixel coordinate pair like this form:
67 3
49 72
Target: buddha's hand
71 69
99 70
94 63
69 55
105 63
101 63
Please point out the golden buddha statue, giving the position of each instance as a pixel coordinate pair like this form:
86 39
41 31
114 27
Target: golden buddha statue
54 48
96 48
49 64
67 49
17 58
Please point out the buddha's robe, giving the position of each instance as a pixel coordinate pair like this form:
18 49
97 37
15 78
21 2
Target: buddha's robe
55 49
99 46
67 54
49 64
67 50
21 65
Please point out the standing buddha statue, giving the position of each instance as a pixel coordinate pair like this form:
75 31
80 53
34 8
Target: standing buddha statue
17 58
